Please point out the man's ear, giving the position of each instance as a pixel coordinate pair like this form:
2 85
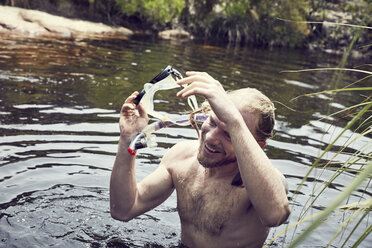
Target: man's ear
262 143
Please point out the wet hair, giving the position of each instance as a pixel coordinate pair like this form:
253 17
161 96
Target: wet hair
250 100
254 101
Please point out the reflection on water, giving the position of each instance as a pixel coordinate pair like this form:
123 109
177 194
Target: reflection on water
60 101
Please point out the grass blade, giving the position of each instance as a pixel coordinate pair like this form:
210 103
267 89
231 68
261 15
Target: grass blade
345 193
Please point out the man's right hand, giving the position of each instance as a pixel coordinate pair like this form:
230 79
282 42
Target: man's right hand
128 198
133 118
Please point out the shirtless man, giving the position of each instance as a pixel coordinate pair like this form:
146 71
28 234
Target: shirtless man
214 212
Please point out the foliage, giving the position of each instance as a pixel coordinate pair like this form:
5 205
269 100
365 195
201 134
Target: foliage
251 21
232 23
157 12
296 11
289 23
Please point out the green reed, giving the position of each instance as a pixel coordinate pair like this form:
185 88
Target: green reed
358 164
359 209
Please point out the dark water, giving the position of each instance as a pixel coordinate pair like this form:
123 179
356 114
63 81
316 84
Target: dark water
59 105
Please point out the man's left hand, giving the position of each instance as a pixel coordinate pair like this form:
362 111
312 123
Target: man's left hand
201 83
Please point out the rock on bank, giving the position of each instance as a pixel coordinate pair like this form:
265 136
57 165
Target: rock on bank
34 23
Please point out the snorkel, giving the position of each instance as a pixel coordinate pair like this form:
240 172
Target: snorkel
162 75
163 81
145 138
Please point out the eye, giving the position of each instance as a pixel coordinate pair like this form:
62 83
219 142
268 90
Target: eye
211 122
227 135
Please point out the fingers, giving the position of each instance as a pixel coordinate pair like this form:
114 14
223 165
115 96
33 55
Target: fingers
141 111
196 87
200 83
204 74
128 106
193 76
131 97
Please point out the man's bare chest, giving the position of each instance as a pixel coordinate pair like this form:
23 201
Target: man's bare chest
209 205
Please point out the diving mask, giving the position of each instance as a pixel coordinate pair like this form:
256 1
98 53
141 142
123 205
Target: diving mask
163 81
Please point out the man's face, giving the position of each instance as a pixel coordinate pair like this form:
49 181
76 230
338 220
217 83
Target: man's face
215 147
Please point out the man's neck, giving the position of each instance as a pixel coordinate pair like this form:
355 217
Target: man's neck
228 170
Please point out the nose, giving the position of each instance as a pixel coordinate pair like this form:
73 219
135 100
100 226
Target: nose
212 135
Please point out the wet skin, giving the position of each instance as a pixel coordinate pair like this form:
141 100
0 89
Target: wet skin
213 212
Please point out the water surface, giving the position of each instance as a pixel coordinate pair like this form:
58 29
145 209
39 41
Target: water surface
59 109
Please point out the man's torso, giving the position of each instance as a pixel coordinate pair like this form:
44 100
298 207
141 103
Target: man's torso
213 212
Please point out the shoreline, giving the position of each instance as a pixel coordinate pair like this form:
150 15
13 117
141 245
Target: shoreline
30 23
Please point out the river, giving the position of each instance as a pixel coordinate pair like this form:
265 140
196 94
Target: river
59 109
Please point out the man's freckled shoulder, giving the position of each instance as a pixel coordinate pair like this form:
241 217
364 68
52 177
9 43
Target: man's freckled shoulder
180 153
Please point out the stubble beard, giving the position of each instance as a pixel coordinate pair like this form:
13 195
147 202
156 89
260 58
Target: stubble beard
208 162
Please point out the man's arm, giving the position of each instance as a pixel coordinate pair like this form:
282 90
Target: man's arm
261 180
127 198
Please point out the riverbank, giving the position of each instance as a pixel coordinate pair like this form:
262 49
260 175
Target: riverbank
327 32
28 23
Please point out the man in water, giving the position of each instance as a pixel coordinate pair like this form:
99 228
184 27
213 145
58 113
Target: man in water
228 192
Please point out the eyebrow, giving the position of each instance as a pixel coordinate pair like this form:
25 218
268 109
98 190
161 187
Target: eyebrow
211 119
214 123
